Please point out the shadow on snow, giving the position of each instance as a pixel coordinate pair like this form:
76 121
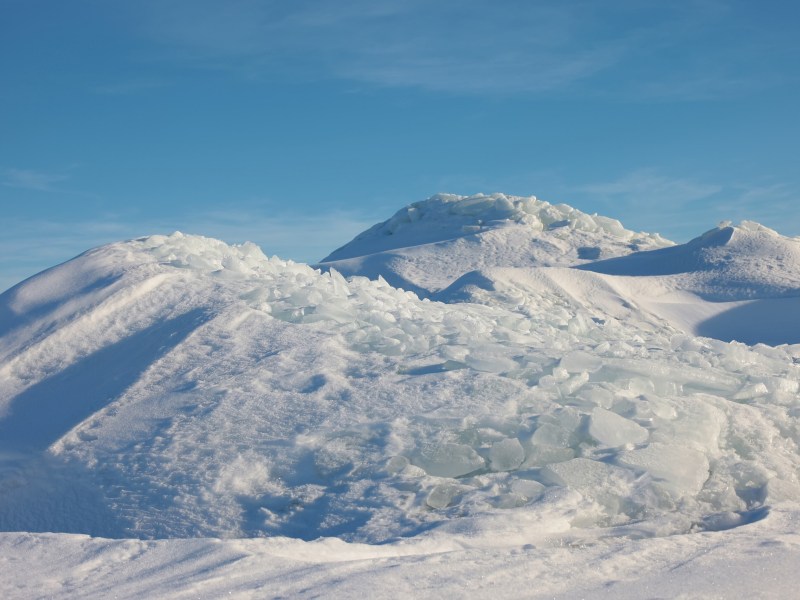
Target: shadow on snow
47 410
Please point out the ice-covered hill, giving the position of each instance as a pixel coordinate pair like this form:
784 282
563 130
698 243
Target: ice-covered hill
731 283
425 246
175 387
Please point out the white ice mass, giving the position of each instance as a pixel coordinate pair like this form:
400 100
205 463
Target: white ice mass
482 396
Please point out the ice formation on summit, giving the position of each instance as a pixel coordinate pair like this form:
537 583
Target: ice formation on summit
428 244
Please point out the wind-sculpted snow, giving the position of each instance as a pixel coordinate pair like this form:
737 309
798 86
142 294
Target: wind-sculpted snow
174 386
726 263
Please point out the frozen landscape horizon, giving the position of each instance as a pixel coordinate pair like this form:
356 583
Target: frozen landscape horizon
487 395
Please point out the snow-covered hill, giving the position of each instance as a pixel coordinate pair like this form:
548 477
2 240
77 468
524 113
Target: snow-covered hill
427 245
731 283
175 387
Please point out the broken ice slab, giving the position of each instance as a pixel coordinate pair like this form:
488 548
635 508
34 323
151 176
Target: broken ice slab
449 460
681 471
506 455
441 496
610 429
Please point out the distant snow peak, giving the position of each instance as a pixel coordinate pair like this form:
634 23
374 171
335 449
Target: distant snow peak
726 263
427 245
487 210
449 216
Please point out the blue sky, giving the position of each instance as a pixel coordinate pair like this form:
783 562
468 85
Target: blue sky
297 124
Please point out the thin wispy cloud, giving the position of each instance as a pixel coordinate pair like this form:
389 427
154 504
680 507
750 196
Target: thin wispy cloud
773 204
32 179
478 46
130 87
649 187
53 182
674 205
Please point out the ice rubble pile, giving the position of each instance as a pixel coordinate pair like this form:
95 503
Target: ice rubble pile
421 412
640 424
447 216
429 244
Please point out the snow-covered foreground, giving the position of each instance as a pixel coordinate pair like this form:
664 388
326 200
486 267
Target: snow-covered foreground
757 561
546 419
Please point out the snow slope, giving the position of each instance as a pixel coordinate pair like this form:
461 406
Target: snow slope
175 387
725 263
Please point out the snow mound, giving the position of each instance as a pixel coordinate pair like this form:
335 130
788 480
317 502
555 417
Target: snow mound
726 263
175 386
428 244
732 283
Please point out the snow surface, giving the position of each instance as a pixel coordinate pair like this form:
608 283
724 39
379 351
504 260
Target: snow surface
222 422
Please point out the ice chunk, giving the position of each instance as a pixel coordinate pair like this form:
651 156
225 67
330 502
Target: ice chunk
538 456
605 483
647 407
548 434
754 390
396 464
528 488
580 473
682 471
781 384
579 361
506 455
490 360
449 460
579 325
697 425
722 521
473 205
610 429
573 384
596 395
442 495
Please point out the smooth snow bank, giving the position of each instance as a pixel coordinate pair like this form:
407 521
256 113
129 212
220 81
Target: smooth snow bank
754 561
652 301
188 388
428 244
724 264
